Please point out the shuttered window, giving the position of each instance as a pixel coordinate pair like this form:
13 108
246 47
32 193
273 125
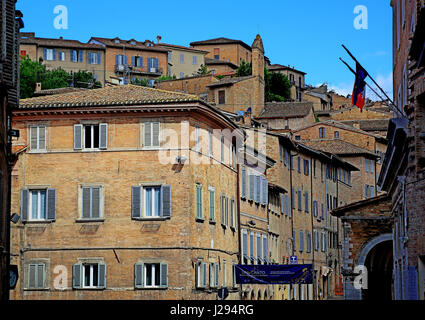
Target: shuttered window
36 276
89 275
301 241
212 203
265 253
198 189
251 187
306 201
259 256
38 205
38 138
91 202
91 136
150 275
251 246
244 247
201 274
151 134
150 201
299 200
243 182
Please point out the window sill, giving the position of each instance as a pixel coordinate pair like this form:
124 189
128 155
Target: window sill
36 289
38 221
200 220
90 289
151 288
151 219
151 148
89 220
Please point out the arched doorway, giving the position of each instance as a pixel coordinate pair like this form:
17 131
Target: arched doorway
379 264
377 257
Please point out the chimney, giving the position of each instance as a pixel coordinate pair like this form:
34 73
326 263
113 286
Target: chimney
60 38
38 87
158 39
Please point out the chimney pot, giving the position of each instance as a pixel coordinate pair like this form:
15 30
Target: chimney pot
38 87
158 39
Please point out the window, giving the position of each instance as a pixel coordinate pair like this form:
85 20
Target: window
298 138
294 239
151 134
222 149
214 273
372 191
251 246
137 61
76 56
201 274
301 241
371 164
285 157
38 138
336 134
265 249
150 201
195 60
49 54
199 201
221 97
259 257
293 197
216 53
89 275
197 138
212 203
243 182
181 58
181 75
316 240
306 201
306 167
232 213
94 58
367 165
61 55
92 199
323 238
38 205
244 247
90 136
366 191
210 143
321 132
299 164
299 201
36 276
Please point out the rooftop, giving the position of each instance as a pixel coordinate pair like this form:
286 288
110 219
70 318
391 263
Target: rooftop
30 38
282 67
286 109
107 96
209 61
128 44
229 81
338 147
221 40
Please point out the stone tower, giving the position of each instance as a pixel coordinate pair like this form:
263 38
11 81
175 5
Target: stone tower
258 73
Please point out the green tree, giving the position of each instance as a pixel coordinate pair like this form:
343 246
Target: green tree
244 69
203 70
140 82
57 78
167 77
280 87
84 79
30 73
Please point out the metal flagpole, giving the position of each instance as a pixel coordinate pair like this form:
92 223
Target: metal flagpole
389 99
382 99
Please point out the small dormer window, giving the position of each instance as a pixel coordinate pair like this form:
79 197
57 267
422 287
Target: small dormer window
117 40
133 42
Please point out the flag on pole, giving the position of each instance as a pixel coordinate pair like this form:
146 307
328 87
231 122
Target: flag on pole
359 91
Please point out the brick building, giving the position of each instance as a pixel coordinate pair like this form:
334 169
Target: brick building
108 207
287 115
10 24
69 55
225 49
126 60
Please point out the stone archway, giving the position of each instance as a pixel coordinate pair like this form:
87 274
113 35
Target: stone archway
377 256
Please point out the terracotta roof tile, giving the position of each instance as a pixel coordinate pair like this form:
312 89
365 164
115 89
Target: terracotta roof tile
337 146
115 95
286 109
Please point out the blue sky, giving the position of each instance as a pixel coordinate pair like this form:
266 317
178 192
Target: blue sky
305 34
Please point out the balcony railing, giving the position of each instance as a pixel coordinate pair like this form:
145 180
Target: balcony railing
137 70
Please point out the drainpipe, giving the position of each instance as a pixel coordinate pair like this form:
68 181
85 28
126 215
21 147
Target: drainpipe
312 227
238 204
